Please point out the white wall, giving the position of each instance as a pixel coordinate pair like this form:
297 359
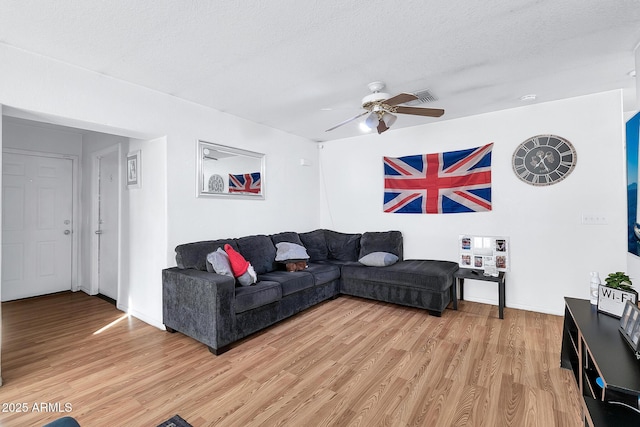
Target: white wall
72 96
24 135
1 130
552 253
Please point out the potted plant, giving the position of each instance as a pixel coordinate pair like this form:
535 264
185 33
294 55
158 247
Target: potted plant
615 292
619 280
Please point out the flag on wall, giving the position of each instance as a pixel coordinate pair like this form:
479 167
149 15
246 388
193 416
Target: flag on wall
245 183
450 182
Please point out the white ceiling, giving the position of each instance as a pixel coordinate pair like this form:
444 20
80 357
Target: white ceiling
303 66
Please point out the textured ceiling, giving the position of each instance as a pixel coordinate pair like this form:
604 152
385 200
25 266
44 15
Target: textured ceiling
303 66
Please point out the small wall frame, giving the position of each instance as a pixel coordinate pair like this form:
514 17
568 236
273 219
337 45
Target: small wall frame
134 169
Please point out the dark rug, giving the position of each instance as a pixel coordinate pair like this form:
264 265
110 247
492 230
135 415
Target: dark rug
175 421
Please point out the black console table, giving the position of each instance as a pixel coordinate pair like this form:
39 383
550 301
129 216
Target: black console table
465 273
592 347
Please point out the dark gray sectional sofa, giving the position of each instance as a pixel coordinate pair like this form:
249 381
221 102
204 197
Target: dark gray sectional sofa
211 309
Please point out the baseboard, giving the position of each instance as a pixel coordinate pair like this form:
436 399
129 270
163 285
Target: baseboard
517 306
146 319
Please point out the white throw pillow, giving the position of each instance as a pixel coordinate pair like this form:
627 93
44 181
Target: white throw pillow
290 251
378 259
220 262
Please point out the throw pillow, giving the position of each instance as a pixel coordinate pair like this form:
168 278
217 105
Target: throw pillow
286 251
220 262
239 265
249 277
378 259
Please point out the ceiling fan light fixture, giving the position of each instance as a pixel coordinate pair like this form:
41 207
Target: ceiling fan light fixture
389 119
371 121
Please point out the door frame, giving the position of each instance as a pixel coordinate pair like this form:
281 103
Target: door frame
94 287
75 207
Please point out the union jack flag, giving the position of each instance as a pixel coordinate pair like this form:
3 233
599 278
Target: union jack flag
450 182
245 183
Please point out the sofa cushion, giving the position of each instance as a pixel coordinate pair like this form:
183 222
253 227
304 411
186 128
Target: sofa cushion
323 272
194 255
315 244
382 241
378 259
342 246
287 236
259 251
262 293
291 282
421 274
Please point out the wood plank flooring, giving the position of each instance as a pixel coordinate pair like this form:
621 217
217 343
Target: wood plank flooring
346 362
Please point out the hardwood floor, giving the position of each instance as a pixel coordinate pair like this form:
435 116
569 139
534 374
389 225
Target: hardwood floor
346 362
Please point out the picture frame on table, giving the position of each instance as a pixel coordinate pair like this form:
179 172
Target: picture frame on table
134 169
630 326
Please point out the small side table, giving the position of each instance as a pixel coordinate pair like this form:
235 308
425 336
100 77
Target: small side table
467 273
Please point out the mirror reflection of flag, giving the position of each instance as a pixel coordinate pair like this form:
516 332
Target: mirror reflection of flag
245 183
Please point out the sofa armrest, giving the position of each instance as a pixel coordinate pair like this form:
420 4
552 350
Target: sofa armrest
199 304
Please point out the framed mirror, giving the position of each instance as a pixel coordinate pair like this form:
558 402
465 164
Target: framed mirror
229 172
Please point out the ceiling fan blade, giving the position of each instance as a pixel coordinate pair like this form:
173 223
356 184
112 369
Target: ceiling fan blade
347 121
429 112
400 99
382 126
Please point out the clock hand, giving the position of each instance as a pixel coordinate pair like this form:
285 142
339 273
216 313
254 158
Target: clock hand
546 169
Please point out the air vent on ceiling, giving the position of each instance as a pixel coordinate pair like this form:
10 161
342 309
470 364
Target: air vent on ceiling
424 96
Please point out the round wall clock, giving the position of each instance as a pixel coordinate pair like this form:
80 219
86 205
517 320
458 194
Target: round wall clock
544 160
216 184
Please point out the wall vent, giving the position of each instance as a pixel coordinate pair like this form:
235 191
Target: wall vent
424 96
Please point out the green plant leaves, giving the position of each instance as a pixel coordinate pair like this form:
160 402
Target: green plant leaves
618 280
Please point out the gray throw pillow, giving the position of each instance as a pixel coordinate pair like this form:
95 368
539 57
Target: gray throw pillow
248 278
378 259
220 262
286 251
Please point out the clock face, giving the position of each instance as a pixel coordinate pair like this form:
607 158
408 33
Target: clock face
544 160
216 184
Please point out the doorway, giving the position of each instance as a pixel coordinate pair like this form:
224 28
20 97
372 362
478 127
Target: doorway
106 222
38 224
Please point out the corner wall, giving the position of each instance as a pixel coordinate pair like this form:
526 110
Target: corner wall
552 252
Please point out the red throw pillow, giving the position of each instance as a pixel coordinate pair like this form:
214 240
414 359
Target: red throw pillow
239 265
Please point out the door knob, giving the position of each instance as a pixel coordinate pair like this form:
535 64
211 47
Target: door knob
67 232
98 231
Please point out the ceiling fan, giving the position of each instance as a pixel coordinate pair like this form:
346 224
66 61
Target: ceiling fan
382 107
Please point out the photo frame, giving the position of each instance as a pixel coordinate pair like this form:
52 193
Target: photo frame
488 253
134 169
630 326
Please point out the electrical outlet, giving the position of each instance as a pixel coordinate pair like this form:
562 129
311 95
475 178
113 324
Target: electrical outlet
594 219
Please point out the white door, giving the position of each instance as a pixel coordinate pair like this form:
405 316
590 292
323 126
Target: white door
37 222
107 230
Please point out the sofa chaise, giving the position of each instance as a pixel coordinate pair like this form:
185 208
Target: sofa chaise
214 310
